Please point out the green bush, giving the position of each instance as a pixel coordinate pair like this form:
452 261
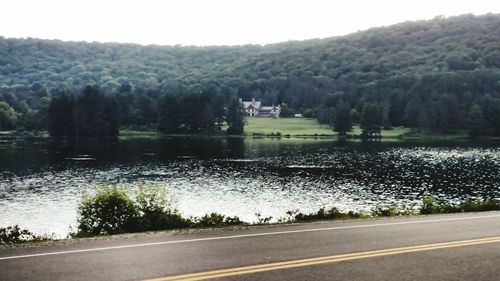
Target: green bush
331 214
480 205
386 211
217 220
431 205
109 211
14 234
156 211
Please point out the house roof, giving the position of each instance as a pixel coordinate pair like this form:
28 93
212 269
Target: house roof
250 104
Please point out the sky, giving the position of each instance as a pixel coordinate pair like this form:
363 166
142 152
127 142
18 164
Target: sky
216 22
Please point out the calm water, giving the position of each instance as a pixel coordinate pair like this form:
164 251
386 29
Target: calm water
41 182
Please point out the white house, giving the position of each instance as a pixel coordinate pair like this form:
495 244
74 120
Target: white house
255 108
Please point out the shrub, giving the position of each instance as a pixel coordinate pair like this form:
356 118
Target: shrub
14 234
430 206
386 211
156 211
480 205
261 219
331 214
109 211
217 220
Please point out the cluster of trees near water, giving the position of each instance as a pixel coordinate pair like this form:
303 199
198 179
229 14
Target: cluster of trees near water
441 75
92 113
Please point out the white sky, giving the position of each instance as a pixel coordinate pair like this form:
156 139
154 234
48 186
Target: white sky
215 22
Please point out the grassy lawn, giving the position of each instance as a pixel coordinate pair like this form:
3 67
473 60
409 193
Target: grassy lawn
130 134
303 127
436 135
286 126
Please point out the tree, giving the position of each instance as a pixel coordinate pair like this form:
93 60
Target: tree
96 114
324 115
40 119
89 113
235 118
449 114
62 115
491 109
342 121
286 111
371 120
401 67
476 122
412 111
218 110
8 117
170 114
92 114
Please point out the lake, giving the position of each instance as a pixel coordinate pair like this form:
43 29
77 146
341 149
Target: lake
42 181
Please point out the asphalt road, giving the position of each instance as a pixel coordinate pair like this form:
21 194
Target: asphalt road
444 247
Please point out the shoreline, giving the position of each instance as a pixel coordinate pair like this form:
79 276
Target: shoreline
208 230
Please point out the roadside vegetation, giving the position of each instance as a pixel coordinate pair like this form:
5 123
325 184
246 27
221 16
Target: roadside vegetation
14 235
112 210
431 205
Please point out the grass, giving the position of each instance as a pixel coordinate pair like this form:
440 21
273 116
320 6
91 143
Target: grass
425 134
296 127
130 134
303 127
286 126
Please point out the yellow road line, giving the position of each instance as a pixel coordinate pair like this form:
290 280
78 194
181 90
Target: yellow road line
322 260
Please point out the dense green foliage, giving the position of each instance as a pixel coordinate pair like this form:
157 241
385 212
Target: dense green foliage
371 120
442 74
217 220
8 117
200 112
91 114
330 214
14 234
111 210
342 118
235 118
431 205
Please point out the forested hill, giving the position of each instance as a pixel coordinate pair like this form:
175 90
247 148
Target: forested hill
415 71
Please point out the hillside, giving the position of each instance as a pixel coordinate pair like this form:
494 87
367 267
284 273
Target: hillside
412 70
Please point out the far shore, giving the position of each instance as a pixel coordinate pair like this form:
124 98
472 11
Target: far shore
282 128
300 128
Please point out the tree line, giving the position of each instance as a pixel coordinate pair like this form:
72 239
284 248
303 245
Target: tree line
90 114
442 74
200 112
93 113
